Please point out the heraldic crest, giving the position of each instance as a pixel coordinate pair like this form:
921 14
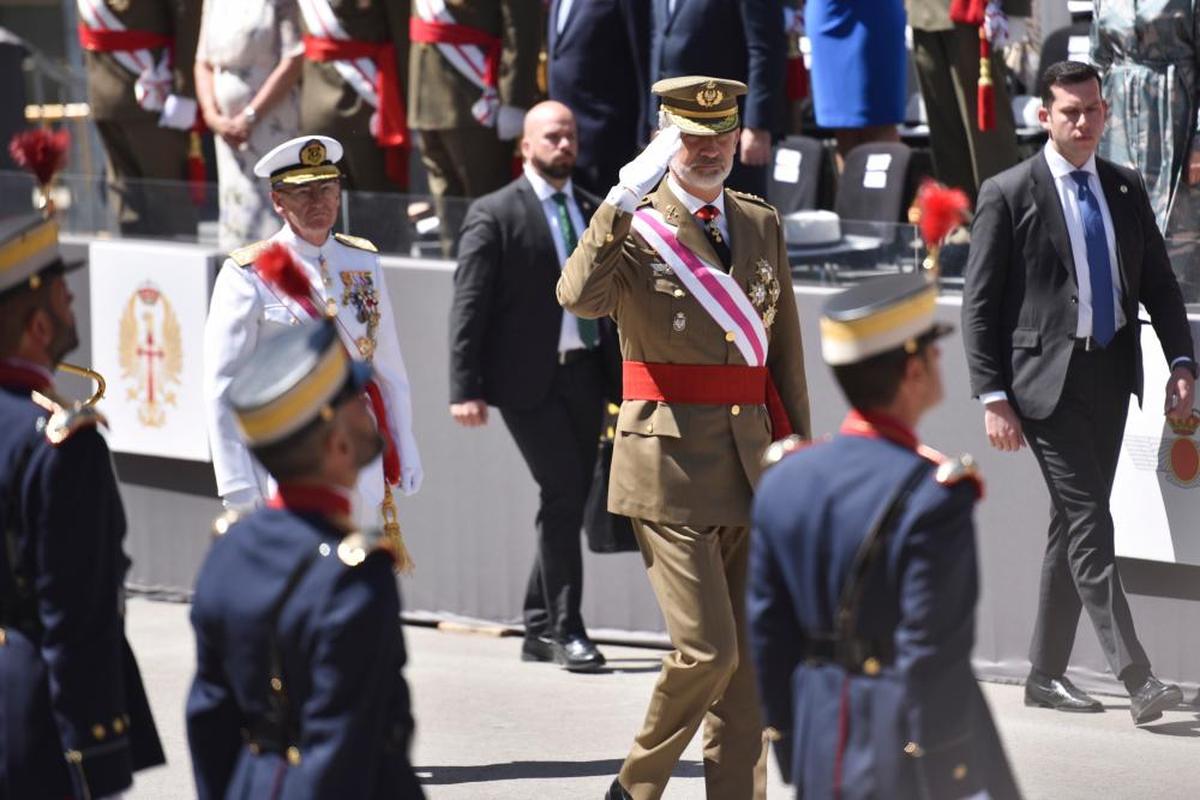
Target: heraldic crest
151 353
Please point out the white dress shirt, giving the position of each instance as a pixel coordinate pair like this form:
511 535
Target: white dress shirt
564 13
568 337
694 204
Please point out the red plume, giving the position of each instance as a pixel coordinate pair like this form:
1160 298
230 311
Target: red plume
279 269
942 210
41 151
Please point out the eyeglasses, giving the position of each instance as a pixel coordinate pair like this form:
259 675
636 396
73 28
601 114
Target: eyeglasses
323 190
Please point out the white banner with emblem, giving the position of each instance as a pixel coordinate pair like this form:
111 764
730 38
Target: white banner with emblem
148 304
1156 494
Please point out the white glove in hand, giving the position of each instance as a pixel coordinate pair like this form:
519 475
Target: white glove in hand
643 173
510 121
178 112
410 480
995 25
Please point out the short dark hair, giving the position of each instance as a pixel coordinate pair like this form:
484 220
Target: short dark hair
1066 73
297 456
874 382
17 307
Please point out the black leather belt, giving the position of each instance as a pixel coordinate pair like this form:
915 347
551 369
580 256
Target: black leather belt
567 357
1087 344
860 656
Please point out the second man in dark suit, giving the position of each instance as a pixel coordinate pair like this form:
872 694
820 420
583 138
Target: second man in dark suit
513 347
1063 249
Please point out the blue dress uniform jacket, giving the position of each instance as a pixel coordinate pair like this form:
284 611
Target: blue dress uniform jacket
74 720
919 726
340 649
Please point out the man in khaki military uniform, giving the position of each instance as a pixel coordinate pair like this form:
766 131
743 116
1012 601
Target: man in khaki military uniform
139 56
472 75
697 279
947 58
352 90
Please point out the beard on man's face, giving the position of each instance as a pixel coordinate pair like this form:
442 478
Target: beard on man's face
368 445
66 338
559 169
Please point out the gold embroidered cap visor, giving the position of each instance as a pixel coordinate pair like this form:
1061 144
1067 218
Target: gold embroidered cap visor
28 252
293 379
880 315
301 160
700 105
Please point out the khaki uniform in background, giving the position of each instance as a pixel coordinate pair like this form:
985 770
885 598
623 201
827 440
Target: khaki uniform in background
462 158
138 148
947 60
685 473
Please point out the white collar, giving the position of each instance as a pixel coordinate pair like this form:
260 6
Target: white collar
692 202
542 187
1061 168
304 248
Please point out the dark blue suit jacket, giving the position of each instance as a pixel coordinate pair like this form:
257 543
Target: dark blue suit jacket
342 650
68 680
811 513
742 40
598 67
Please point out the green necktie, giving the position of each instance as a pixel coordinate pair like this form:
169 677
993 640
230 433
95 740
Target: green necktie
589 330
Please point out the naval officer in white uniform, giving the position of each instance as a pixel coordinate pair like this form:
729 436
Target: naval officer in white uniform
345 278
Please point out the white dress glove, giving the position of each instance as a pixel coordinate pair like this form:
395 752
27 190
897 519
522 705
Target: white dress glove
995 25
410 480
645 171
178 112
510 121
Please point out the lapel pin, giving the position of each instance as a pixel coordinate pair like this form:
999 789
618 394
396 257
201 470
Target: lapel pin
1124 189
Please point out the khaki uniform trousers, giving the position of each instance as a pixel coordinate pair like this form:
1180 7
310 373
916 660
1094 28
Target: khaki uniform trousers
461 164
699 578
147 178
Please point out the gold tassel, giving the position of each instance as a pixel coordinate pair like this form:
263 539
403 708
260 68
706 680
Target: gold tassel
391 533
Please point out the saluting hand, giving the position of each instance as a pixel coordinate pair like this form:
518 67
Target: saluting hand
645 171
1181 393
1003 426
470 413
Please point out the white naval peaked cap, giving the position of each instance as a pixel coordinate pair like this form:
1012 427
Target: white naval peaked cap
301 160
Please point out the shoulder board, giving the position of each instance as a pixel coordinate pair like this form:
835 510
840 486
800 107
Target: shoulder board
356 547
222 524
782 448
66 422
753 198
953 471
244 256
356 242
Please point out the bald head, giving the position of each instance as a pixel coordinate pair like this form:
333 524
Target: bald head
548 145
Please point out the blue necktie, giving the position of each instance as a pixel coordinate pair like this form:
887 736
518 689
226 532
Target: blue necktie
1104 320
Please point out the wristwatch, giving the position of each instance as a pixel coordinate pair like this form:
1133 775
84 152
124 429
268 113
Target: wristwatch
251 114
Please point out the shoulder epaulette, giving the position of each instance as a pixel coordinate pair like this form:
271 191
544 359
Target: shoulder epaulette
225 521
782 448
66 422
753 198
356 547
244 256
356 242
953 471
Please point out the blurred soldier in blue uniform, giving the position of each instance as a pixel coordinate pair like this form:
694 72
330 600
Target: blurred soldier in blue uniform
863 579
74 721
298 690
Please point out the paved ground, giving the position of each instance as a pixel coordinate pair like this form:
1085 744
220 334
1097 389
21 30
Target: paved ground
492 728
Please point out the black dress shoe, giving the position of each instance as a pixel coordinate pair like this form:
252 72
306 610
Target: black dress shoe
617 791
1147 703
538 648
578 654
1059 694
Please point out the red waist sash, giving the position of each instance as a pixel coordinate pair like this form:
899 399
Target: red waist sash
424 32
706 384
99 41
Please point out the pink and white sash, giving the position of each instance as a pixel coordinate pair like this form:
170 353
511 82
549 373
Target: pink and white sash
154 79
468 60
716 290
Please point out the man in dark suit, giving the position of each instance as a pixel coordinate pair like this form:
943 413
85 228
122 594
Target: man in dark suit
512 346
599 57
1063 249
742 40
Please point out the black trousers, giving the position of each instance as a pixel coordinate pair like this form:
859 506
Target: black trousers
559 439
1077 448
